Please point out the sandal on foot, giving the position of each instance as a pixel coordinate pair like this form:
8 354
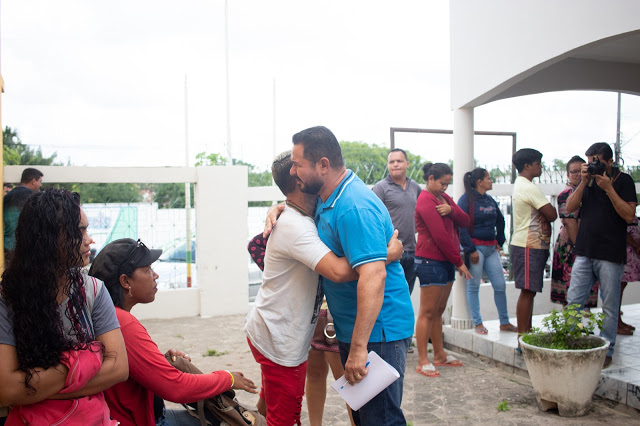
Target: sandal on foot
625 331
451 361
509 327
428 370
625 325
480 329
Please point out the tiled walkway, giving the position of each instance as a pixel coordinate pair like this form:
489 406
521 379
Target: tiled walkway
468 395
620 382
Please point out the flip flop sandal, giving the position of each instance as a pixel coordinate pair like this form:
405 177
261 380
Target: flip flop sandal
481 330
629 326
450 362
511 328
625 332
428 370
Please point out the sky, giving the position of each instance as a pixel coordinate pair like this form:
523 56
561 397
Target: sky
103 83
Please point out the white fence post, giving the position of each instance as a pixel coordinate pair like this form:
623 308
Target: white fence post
221 238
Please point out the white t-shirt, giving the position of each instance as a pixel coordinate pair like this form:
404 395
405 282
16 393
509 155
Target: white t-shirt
280 325
530 228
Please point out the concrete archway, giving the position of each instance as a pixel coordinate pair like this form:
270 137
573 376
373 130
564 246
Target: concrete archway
502 49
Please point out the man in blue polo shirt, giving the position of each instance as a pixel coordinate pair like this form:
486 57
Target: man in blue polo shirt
373 313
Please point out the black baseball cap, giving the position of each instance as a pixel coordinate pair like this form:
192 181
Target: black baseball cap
122 256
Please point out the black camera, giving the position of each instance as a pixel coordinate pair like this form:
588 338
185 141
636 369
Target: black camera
596 168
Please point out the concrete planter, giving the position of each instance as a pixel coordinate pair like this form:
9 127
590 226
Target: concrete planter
565 379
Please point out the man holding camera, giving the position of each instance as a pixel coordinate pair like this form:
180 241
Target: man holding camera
608 199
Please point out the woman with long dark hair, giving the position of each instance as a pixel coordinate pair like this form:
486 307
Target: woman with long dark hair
60 341
482 243
125 267
437 258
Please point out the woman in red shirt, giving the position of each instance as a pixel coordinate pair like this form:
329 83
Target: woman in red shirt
437 257
125 267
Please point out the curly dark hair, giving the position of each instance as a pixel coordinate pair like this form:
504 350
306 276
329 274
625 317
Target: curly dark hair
47 260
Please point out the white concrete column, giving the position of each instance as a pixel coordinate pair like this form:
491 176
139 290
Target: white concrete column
462 163
221 238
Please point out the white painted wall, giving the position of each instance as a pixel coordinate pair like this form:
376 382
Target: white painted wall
221 238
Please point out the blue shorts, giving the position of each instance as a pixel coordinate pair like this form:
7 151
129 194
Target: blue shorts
434 272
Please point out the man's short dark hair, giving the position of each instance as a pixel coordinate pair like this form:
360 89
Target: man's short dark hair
600 148
320 142
400 150
30 174
575 159
280 170
525 156
7 185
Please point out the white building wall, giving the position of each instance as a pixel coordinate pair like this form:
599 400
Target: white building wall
497 43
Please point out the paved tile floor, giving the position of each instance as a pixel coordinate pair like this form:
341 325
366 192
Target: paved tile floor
461 396
620 382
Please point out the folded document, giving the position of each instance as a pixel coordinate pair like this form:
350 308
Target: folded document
380 376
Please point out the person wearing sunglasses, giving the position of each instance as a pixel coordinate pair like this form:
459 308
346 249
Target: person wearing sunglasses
125 267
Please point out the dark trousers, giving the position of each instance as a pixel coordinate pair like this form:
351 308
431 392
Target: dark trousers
409 270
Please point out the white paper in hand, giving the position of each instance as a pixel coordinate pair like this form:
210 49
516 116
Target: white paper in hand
380 376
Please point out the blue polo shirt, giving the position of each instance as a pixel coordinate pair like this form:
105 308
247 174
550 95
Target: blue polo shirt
355 224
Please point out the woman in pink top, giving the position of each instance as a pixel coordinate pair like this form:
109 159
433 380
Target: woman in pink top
437 257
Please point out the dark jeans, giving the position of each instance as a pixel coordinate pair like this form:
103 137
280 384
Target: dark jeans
178 418
409 271
384 408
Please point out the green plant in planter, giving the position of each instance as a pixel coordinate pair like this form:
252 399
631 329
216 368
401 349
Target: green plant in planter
568 329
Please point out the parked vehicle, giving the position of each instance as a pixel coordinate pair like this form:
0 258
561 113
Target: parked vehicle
172 269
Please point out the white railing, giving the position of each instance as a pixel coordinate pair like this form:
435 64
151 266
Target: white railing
221 234
221 198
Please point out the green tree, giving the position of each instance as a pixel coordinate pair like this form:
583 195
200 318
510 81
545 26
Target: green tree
106 192
255 176
170 195
501 175
559 165
10 156
633 171
369 162
204 159
17 153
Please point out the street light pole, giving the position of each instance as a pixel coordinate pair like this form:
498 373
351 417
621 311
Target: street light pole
187 185
617 147
226 61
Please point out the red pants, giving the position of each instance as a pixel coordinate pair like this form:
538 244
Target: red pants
282 389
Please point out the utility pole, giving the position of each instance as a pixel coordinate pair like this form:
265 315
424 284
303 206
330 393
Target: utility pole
617 147
187 185
226 61
274 119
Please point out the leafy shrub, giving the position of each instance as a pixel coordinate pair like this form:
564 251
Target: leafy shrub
568 329
503 406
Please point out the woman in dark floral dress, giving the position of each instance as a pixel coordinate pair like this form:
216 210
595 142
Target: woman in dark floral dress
563 255
631 271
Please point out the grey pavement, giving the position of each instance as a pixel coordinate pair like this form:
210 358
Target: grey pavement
461 395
